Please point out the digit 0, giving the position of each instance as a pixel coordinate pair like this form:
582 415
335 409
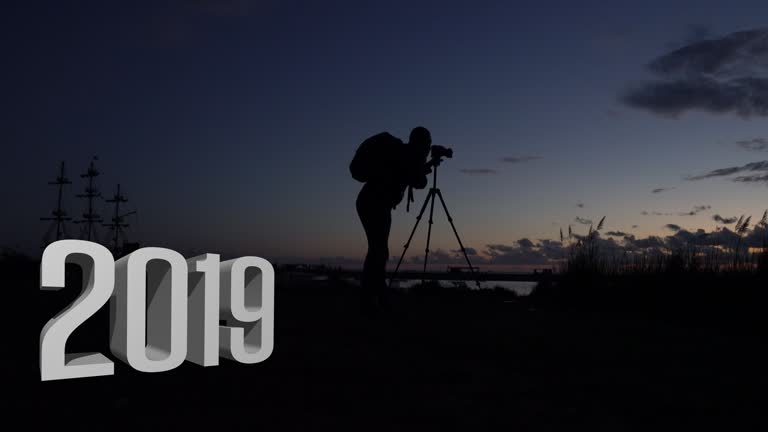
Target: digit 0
149 311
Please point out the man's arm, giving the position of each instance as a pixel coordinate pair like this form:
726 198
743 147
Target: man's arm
419 181
416 167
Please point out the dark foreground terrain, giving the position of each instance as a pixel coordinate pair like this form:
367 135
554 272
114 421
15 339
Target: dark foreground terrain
437 360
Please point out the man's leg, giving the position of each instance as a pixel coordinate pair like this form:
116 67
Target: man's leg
376 220
380 221
383 254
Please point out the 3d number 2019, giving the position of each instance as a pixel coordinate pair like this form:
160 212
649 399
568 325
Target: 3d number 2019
164 309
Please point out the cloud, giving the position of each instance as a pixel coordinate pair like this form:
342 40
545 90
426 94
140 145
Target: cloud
519 159
545 252
580 204
673 227
756 237
723 237
696 210
752 179
617 233
660 190
449 257
717 75
632 243
525 243
755 144
682 238
442 257
478 171
608 246
551 248
582 220
739 51
724 172
724 220
470 251
746 96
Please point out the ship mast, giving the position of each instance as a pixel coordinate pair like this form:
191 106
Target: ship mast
91 192
117 224
59 215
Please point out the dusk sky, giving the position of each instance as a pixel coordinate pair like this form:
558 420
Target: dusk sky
231 124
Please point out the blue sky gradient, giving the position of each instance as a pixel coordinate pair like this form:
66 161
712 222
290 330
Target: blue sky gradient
230 124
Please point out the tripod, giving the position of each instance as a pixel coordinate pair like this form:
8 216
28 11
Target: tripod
434 191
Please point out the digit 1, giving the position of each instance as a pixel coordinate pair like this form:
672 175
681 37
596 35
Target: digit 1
98 266
142 275
203 319
248 298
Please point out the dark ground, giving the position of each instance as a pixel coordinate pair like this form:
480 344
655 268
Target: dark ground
437 360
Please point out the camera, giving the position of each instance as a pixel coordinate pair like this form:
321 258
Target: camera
439 152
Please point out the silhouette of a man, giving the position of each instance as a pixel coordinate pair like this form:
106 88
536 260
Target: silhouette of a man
406 168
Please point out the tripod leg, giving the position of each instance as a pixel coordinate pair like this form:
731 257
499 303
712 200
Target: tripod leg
413 231
461 245
432 192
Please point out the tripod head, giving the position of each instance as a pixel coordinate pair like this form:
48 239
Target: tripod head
438 153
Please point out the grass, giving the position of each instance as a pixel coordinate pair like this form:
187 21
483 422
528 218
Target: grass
586 257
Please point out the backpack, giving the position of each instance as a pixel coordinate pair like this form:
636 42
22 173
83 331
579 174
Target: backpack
374 157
